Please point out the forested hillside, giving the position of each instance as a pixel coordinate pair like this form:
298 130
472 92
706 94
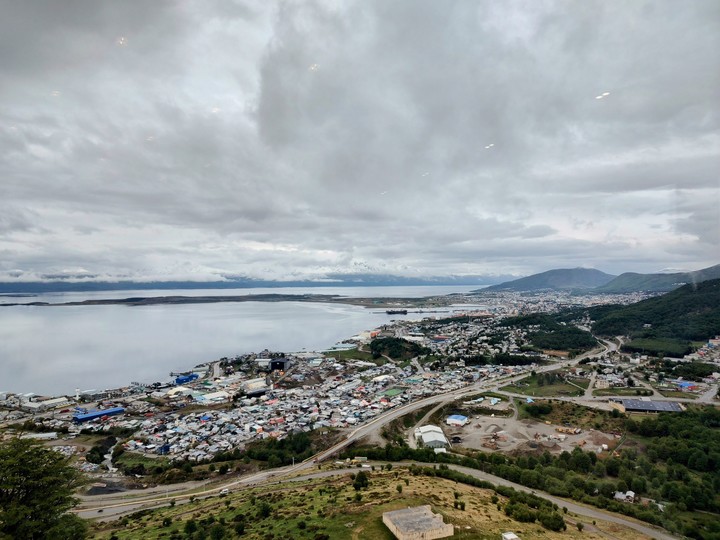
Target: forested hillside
689 313
548 332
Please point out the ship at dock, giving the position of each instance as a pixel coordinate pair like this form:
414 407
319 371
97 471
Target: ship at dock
396 311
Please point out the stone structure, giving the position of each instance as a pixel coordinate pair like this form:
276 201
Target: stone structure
417 523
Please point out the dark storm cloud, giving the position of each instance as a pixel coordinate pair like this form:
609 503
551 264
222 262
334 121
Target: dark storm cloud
271 139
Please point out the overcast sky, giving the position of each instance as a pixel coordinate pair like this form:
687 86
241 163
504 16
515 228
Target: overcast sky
195 140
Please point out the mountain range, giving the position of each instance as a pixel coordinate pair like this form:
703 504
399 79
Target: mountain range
235 282
589 280
631 282
559 279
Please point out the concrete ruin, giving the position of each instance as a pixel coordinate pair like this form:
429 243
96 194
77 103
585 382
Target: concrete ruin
417 523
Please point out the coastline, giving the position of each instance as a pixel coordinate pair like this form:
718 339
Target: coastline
375 302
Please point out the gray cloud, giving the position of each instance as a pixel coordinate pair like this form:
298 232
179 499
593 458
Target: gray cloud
300 138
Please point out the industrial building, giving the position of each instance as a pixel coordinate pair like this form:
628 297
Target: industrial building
279 364
431 437
417 523
93 415
184 379
645 405
255 387
456 420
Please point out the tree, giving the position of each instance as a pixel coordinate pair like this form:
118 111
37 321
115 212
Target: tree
190 527
36 491
361 481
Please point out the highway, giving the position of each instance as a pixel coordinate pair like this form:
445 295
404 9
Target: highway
116 510
113 506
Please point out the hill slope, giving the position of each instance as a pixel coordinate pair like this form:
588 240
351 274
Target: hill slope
559 279
691 312
632 282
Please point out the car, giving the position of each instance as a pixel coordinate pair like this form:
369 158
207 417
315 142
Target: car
224 491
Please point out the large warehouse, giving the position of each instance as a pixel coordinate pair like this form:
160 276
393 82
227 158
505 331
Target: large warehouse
431 437
92 415
645 405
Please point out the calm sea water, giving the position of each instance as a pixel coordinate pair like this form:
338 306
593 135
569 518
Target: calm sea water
53 350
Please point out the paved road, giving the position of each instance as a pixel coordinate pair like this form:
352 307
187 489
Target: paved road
592 513
116 510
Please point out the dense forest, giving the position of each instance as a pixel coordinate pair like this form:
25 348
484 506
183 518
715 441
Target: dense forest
691 312
547 331
396 348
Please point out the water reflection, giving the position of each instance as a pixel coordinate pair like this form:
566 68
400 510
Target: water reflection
57 349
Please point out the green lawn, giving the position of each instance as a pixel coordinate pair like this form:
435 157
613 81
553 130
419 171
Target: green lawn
620 392
132 459
529 387
677 394
354 354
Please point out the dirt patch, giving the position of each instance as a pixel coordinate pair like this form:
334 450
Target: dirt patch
527 436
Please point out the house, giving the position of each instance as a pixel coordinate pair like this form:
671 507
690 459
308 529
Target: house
628 496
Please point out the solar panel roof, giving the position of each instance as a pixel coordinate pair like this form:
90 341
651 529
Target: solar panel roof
654 406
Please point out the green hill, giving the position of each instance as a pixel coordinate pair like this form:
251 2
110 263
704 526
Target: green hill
632 282
559 279
666 323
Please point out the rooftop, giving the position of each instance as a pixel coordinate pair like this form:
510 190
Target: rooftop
418 519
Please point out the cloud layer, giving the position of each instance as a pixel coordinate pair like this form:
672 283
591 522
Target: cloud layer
291 139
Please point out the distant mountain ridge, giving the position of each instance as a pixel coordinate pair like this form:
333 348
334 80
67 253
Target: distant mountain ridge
633 282
331 280
559 279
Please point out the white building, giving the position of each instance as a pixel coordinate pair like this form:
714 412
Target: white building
431 437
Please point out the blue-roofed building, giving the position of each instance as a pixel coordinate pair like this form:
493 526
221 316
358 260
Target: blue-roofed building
94 415
456 420
183 379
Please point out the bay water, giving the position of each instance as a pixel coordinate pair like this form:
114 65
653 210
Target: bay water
53 350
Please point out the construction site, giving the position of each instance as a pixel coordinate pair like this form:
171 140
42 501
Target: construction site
526 436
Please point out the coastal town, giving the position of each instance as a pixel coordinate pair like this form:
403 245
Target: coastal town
221 406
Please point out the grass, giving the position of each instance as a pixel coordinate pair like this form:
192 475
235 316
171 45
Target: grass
529 386
621 392
677 394
355 354
575 415
654 346
328 506
132 459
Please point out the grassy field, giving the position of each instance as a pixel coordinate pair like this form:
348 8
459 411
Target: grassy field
132 459
677 394
354 354
582 382
529 386
621 392
669 347
575 415
329 508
